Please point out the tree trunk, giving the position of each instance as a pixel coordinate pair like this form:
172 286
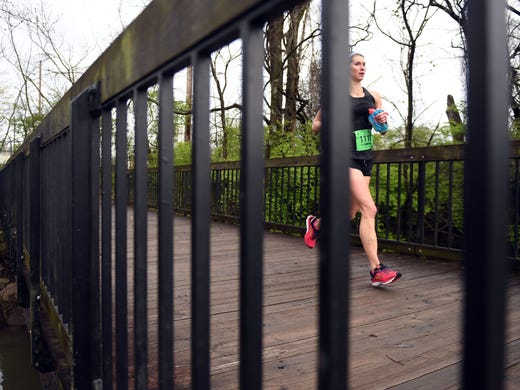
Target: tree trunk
274 62
222 110
456 126
189 101
293 66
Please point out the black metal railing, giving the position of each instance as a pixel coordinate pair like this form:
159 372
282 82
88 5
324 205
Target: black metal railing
419 194
57 207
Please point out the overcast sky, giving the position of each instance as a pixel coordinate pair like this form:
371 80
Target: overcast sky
84 23
438 71
94 21
437 75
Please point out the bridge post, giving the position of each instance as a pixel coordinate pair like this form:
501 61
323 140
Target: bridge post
18 183
42 359
334 200
485 189
85 322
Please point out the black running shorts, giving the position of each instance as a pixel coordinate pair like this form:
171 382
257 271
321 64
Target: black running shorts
365 166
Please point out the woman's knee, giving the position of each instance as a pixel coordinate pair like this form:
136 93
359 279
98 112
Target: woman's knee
369 210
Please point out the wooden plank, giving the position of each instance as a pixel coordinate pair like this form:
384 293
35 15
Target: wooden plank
409 335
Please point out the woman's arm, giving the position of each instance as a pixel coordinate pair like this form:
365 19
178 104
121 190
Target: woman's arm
316 122
382 117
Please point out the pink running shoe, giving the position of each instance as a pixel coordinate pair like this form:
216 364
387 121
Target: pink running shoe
311 234
383 275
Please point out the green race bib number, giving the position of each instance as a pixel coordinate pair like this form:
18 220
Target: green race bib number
364 140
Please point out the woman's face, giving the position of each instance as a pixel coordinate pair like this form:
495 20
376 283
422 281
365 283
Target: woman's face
357 67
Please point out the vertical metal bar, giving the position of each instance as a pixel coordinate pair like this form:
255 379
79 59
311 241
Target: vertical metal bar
281 199
295 190
140 239
51 259
230 191
200 229
485 190
34 250
306 192
57 255
335 250
273 188
216 190
421 191
436 205
270 174
106 249
234 179
166 175
34 214
58 178
40 356
251 210
48 259
225 190
18 185
121 246
18 198
44 185
317 186
377 184
278 188
54 196
450 203
64 271
95 283
66 233
302 189
516 207
26 202
387 199
409 204
81 134
399 191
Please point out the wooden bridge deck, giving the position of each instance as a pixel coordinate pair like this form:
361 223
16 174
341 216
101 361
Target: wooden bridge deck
407 336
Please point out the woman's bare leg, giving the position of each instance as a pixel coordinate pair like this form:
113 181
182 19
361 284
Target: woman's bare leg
361 200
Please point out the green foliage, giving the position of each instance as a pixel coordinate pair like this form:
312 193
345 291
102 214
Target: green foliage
181 116
182 113
396 192
182 153
393 139
291 193
515 129
302 142
25 125
422 136
225 185
234 138
513 241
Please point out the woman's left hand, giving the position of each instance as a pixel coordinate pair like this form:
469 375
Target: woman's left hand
382 117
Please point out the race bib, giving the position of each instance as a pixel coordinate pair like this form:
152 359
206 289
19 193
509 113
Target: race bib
364 140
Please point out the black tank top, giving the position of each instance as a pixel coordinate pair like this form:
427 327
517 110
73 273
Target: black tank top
360 106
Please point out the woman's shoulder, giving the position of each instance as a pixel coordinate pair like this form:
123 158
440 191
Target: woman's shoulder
375 96
372 92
